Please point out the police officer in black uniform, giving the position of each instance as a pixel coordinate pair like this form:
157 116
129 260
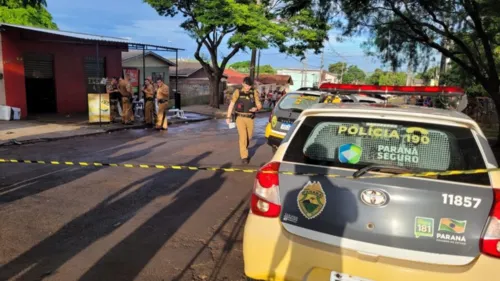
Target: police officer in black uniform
245 103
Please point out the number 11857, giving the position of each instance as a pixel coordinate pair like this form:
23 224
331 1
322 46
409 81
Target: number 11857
461 201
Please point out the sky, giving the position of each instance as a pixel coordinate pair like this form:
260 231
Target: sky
138 22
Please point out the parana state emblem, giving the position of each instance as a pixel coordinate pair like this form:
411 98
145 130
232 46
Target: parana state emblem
311 200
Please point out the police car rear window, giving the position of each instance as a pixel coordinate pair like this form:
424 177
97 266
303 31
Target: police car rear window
298 101
356 143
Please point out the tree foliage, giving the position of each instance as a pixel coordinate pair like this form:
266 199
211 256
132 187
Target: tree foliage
30 13
457 76
374 79
241 24
393 79
408 31
429 75
380 77
337 68
244 67
354 75
25 3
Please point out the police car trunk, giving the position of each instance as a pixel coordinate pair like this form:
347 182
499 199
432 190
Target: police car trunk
441 219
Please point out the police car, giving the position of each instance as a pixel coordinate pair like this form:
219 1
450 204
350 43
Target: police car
340 201
292 104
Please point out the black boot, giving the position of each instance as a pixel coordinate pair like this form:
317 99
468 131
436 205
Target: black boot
245 161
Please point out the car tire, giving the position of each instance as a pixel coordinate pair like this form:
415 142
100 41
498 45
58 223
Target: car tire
274 149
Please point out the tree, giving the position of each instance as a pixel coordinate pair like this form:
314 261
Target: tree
243 24
354 75
393 79
244 67
457 76
25 3
337 68
374 79
429 75
466 31
16 12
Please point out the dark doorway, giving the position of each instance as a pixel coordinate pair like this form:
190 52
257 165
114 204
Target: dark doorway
40 83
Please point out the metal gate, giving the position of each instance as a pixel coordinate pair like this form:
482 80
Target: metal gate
39 66
94 72
93 69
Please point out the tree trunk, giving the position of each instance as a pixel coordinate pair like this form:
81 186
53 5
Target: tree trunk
214 91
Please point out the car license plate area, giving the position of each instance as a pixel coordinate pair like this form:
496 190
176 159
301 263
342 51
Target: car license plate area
285 126
337 276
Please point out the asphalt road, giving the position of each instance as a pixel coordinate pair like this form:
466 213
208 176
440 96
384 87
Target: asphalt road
108 223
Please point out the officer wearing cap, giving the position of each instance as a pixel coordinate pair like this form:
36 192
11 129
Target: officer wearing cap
114 98
162 95
125 89
245 103
149 96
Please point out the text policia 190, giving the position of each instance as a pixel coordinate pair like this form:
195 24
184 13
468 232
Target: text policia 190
413 135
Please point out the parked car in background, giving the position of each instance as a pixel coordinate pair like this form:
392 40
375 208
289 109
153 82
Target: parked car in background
289 107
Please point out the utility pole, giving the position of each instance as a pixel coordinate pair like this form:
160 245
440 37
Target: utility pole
342 73
303 71
258 65
306 66
409 79
322 66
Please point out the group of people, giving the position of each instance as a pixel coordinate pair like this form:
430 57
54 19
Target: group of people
120 92
270 98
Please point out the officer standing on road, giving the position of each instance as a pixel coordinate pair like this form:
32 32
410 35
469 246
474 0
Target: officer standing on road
245 103
126 92
162 97
114 94
150 101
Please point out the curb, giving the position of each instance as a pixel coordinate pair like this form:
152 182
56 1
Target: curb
131 127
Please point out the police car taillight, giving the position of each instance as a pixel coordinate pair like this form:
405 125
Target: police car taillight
265 196
490 243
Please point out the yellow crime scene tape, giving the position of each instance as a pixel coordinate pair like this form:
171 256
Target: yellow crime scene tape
245 170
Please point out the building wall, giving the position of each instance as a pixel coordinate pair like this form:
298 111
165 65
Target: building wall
151 61
68 68
152 65
3 99
194 90
302 78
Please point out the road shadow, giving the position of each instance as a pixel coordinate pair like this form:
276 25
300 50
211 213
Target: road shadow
295 250
127 259
258 143
47 256
229 241
53 179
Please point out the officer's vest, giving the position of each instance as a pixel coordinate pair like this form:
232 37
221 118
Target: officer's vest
245 102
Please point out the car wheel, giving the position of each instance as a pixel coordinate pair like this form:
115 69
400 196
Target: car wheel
274 149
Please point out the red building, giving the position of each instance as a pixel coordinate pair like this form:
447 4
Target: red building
46 71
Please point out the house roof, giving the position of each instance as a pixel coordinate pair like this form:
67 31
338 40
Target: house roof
279 79
235 77
133 54
187 68
83 36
